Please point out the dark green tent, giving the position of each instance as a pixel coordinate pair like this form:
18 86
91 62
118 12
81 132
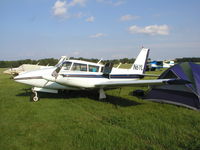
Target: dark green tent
186 94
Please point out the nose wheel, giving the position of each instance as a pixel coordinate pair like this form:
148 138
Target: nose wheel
34 96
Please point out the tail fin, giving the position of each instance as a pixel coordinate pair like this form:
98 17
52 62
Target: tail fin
139 65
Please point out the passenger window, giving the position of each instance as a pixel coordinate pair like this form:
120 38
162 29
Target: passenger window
66 65
93 68
79 67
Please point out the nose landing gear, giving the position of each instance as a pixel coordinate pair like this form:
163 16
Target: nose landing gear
34 96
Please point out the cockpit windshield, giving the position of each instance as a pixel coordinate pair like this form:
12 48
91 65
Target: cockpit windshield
66 65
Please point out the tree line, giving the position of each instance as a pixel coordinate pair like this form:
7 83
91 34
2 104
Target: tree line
52 61
188 59
17 63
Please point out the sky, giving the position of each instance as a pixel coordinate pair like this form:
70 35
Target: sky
107 29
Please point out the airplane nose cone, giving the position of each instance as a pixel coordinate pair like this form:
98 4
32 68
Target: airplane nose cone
17 78
23 78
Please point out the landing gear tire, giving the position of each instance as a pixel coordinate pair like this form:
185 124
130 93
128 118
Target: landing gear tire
34 96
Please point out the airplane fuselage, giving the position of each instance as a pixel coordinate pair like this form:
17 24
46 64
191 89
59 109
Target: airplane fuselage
73 80
83 75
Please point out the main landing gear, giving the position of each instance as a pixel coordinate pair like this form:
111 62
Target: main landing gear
34 96
102 94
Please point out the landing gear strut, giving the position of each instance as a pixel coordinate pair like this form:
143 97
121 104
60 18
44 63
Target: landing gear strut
102 94
34 96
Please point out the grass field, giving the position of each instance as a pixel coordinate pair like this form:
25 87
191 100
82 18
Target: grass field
80 122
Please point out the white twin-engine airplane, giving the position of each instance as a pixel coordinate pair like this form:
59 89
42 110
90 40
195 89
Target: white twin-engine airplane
82 75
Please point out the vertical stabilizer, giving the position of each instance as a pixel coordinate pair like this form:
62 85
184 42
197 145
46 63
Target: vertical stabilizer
139 65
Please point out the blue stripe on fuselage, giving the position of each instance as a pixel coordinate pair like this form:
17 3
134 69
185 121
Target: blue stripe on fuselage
83 76
121 76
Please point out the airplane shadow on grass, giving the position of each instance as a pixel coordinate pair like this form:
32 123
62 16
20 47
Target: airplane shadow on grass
93 95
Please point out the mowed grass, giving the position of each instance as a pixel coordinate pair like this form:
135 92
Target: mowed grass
80 122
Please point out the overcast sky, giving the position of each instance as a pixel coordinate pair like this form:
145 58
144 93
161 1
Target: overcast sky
106 29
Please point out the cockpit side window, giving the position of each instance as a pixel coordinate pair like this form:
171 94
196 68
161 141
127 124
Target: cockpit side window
79 67
93 68
66 65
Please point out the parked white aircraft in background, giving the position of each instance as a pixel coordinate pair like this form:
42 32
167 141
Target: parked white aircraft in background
23 68
168 63
82 75
30 67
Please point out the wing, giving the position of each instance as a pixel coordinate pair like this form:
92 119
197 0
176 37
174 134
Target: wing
140 83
